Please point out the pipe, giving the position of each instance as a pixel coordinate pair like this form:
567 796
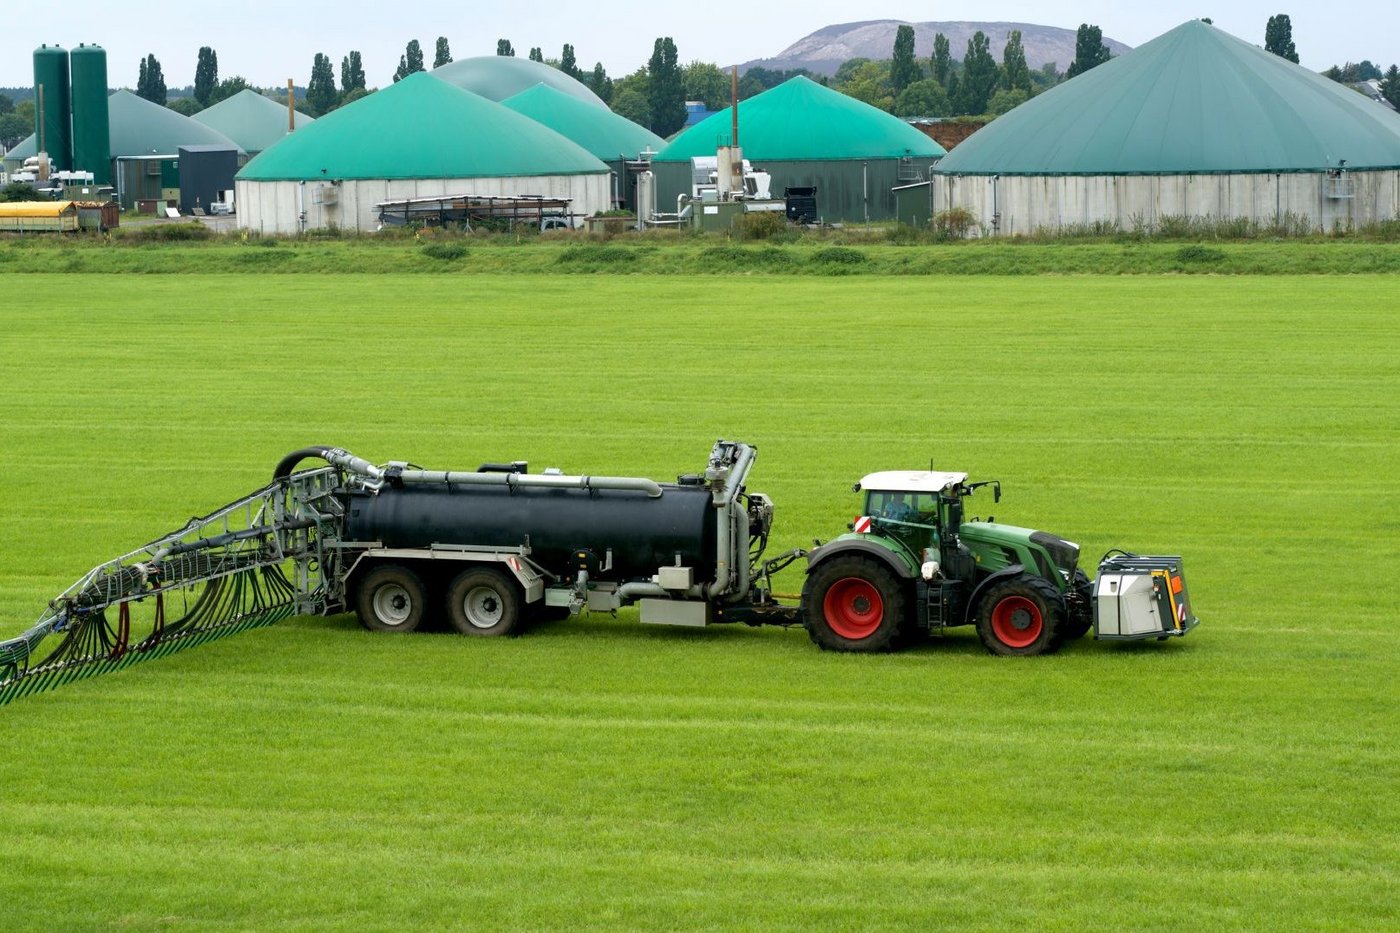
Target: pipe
463 478
724 498
335 456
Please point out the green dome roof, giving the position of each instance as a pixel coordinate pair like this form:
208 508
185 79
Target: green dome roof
496 77
421 127
602 132
1194 100
250 119
139 127
800 120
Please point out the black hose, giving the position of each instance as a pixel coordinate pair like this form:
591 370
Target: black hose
284 466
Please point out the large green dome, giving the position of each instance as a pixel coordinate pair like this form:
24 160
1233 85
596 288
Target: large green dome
496 77
605 134
248 118
138 127
1194 100
421 127
799 120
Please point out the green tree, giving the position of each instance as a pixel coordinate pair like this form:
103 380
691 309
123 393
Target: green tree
568 63
229 87
665 88
599 83
870 82
354 94
980 77
942 59
1089 50
442 55
503 47
16 124
925 98
1006 100
320 90
150 84
185 106
706 83
1278 37
6 104
1390 87
352 74
632 104
206 76
20 191
847 69
1015 73
904 70
410 62
536 55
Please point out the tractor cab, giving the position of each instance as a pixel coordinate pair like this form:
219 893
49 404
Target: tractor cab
913 507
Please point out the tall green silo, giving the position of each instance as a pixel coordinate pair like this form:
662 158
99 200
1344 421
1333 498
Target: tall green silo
92 133
53 124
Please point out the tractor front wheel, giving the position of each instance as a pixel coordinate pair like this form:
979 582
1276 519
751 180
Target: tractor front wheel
1022 616
854 604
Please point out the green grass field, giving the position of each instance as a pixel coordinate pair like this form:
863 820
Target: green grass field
597 774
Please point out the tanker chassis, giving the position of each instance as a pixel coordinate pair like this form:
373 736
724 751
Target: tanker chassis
494 548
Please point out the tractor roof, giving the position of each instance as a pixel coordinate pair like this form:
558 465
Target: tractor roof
911 481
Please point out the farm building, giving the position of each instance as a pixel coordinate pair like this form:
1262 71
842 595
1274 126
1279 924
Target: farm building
430 139
1195 123
496 77
805 135
614 139
39 216
145 142
251 120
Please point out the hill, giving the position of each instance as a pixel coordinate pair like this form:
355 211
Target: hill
823 51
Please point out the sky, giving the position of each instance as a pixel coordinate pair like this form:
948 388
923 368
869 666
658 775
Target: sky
267 43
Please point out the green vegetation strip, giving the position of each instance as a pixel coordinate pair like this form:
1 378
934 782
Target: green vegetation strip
892 251
597 774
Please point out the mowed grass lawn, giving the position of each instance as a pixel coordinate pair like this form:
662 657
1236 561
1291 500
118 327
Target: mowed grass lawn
598 774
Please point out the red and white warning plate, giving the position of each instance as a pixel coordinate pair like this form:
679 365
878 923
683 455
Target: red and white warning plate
862 525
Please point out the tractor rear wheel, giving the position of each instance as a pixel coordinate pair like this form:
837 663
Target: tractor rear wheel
1022 616
854 604
391 598
483 601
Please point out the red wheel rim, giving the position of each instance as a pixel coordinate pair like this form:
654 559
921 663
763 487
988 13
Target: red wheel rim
1016 622
853 608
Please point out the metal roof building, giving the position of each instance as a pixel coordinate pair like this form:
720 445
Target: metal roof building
614 139
804 134
419 138
251 120
497 77
1194 123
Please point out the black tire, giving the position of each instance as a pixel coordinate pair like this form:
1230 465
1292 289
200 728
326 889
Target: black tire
391 598
484 601
1022 616
1080 618
854 604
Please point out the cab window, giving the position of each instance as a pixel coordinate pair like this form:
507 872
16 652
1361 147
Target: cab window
913 508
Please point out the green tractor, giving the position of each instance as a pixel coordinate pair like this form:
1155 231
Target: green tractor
913 565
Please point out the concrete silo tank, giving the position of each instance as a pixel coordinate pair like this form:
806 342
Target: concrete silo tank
53 124
92 136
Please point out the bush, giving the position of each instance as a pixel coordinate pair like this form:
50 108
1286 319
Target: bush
445 250
954 223
1196 254
20 191
839 256
761 225
183 231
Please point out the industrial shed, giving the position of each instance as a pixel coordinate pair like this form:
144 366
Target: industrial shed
497 77
612 138
145 142
419 138
804 135
1195 123
251 120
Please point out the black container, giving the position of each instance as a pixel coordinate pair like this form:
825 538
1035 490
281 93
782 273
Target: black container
643 533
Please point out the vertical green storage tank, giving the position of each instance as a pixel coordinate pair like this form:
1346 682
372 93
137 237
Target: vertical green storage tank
92 132
53 124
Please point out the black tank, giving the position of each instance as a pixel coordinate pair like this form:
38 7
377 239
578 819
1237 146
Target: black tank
643 533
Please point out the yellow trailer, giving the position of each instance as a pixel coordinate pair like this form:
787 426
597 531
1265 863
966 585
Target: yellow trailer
39 216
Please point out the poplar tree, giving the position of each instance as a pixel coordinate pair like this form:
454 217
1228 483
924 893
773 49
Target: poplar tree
442 55
320 90
503 47
1278 37
411 62
942 59
1015 73
206 76
1089 50
904 71
665 88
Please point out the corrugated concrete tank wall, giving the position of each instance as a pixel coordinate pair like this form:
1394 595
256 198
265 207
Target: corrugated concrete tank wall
54 123
92 133
1018 205
274 206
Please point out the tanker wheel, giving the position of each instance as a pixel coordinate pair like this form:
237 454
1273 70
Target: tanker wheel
1078 623
1022 616
483 601
854 604
391 599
